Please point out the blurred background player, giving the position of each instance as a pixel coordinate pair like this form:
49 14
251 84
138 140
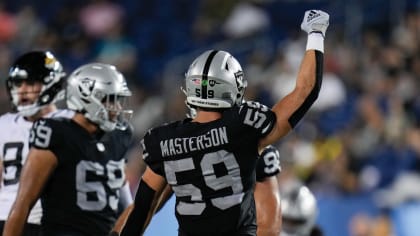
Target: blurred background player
77 165
299 211
267 193
34 84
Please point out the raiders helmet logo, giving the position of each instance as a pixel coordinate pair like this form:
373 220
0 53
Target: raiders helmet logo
86 87
239 77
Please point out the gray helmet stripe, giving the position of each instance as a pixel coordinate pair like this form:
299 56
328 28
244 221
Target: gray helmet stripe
206 69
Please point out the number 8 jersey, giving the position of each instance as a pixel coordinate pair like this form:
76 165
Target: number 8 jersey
211 168
13 153
82 193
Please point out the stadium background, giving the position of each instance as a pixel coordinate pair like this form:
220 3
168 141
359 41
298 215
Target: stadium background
359 147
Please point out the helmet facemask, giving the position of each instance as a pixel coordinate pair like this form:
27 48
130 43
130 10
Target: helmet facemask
26 109
112 114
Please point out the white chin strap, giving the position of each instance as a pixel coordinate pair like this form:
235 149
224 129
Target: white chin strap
28 110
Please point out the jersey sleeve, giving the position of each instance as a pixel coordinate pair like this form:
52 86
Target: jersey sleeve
46 135
150 157
258 117
268 164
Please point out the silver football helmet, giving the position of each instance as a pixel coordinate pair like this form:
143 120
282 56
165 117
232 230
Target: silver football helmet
215 80
100 92
299 211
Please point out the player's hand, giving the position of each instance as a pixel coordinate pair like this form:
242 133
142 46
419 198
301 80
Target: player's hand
315 21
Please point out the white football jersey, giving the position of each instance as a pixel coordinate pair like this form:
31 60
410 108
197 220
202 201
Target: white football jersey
14 147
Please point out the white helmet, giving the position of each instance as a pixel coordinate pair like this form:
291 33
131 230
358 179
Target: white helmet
215 80
100 92
299 211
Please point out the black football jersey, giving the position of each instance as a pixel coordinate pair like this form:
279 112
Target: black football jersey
268 164
82 193
211 168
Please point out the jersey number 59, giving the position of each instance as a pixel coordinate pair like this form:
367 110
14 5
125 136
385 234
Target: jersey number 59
231 180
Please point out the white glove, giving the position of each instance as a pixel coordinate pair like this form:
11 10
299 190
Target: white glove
315 21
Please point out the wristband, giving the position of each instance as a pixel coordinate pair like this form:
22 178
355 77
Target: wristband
315 41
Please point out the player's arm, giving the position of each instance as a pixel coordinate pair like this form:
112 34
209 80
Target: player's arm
267 194
291 109
164 197
147 197
119 224
35 173
267 202
126 203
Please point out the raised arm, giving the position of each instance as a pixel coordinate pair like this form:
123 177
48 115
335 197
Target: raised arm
35 173
290 110
267 203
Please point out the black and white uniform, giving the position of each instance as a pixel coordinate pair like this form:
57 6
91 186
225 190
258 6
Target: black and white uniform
81 197
268 164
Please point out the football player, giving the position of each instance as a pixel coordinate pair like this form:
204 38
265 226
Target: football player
76 166
299 212
266 193
209 161
34 84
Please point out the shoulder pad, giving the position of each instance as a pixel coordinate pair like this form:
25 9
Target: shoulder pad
257 116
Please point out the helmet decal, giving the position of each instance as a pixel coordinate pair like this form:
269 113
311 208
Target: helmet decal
50 62
86 87
205 74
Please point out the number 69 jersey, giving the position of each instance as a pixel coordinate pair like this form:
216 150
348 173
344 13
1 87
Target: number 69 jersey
14 148
82 193
211 168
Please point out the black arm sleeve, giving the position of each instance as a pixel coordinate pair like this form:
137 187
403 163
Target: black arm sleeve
301 111
138 216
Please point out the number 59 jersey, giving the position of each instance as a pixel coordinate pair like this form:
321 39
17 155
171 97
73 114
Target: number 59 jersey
83 192
211 168
14 146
